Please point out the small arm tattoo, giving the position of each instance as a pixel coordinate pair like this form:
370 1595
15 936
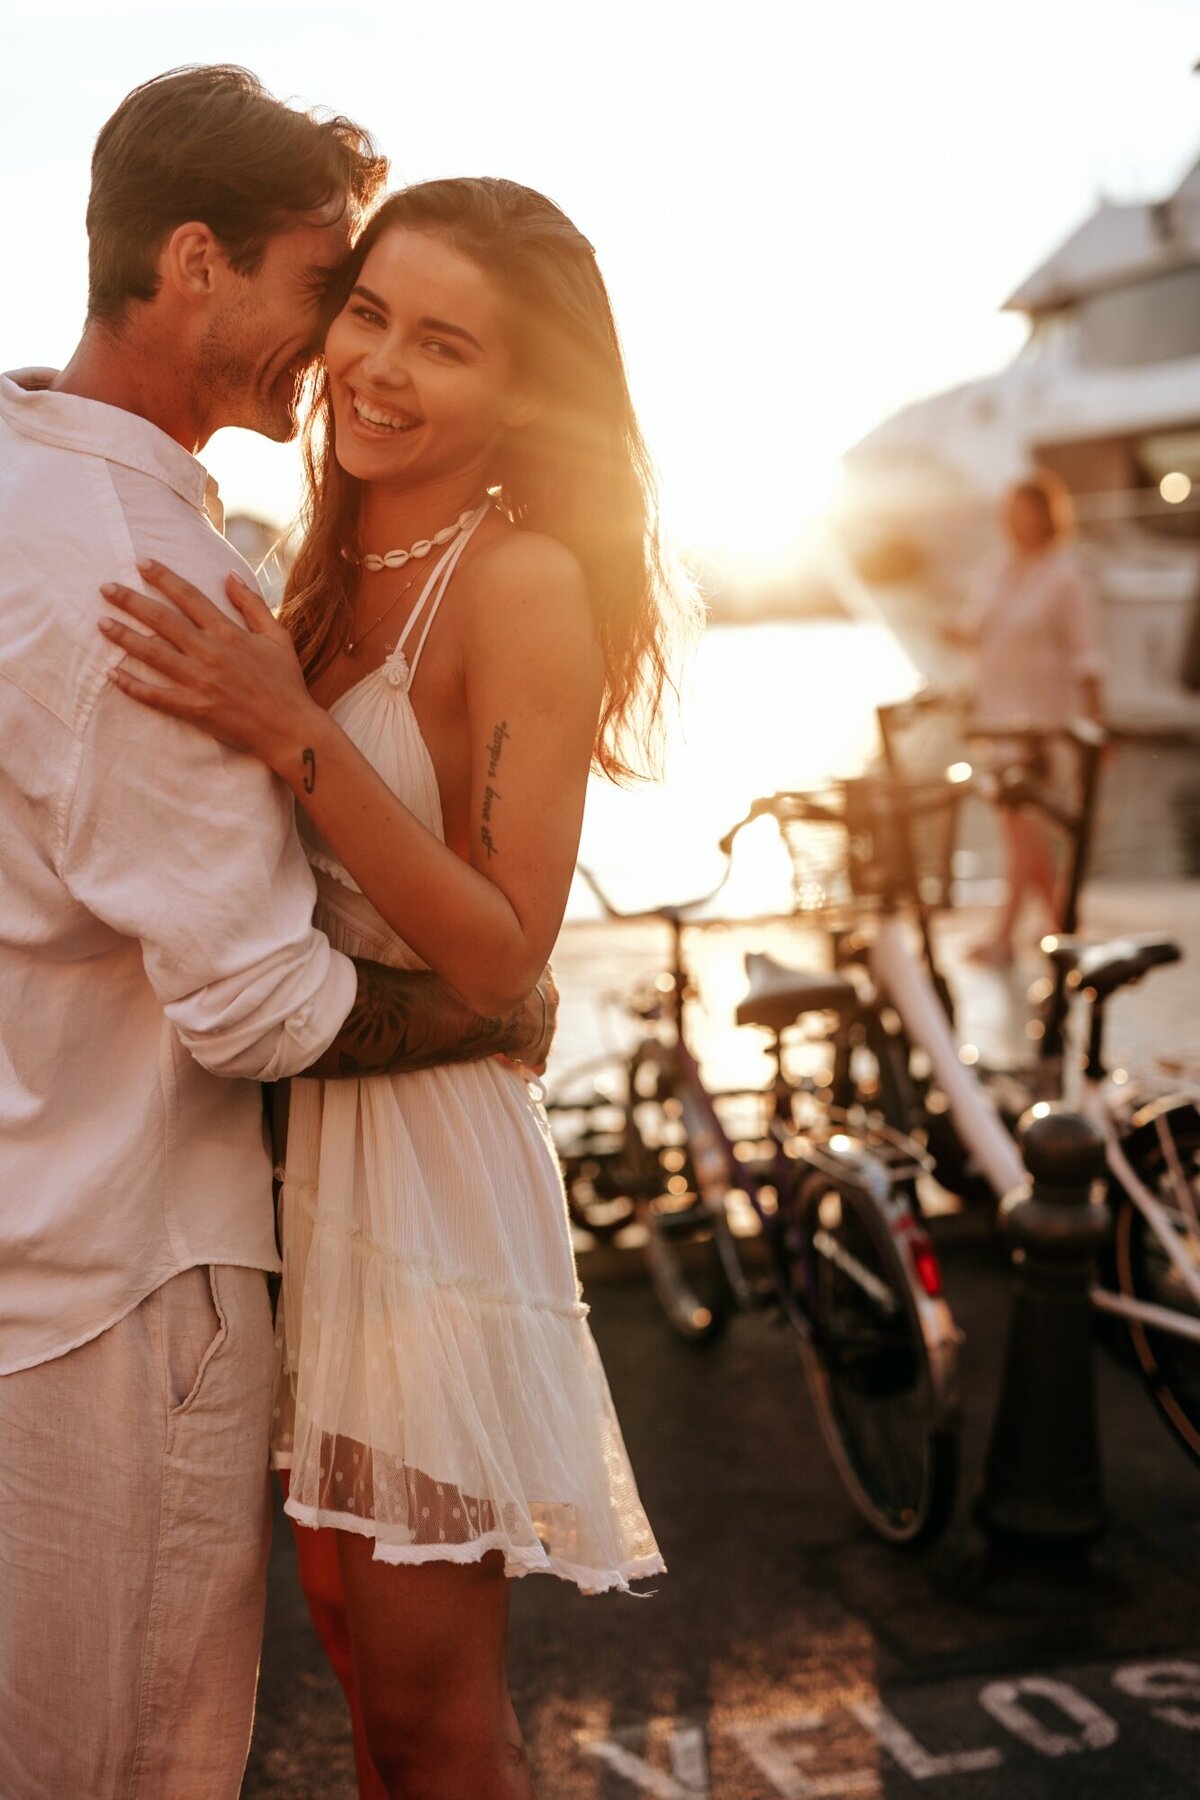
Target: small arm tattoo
309 763
405 1019
496 747
500 734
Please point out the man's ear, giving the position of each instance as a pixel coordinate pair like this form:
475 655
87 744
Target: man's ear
191 260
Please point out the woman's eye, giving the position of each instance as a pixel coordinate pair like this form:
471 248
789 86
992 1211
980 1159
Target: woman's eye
446 351
367 314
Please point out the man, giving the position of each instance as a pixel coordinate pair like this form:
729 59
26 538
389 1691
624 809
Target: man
157 962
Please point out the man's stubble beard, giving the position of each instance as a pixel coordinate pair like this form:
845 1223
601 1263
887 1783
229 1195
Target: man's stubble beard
227 382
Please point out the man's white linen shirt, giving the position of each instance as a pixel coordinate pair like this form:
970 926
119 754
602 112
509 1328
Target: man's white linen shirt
157 954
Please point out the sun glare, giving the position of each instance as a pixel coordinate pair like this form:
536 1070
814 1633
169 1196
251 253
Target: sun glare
758 713
752 502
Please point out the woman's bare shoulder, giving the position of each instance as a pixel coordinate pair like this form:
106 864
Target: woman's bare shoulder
531 560
530 586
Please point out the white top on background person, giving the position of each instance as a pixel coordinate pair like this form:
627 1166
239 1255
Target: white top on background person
1037 640
155 907
1032 619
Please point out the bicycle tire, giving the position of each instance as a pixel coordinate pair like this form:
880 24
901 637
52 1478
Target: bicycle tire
880 1360
1169 1365
597 1184
592 1139
689 1251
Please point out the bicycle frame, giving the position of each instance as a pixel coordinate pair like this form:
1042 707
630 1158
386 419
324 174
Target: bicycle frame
843 1159
714 1160
908 986
1088 741
1020 787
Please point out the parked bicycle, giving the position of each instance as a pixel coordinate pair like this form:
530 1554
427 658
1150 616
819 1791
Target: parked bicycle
1150 1276
849 1264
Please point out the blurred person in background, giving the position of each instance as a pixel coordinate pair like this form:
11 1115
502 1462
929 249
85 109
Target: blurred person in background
1033 629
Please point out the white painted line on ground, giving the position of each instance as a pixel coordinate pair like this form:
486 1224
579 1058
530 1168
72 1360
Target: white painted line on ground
912 1756
688 1779
1003 1700
780 1762
787 1765
1163 1681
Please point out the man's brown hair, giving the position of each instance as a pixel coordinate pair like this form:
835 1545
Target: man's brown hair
211 144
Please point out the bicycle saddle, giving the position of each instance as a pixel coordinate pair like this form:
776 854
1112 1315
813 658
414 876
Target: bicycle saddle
1115 963
778 996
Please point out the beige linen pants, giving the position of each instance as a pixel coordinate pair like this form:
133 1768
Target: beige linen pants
134 1529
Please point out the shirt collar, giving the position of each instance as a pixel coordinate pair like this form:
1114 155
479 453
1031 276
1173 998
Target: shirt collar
69 422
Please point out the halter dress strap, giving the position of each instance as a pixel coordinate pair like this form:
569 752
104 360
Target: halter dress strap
433 592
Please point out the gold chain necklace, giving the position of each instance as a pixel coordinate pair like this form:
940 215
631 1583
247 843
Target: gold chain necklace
353 643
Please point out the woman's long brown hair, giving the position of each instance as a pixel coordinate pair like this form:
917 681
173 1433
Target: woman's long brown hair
579 472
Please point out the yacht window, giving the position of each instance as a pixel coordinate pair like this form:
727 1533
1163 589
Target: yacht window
1153 320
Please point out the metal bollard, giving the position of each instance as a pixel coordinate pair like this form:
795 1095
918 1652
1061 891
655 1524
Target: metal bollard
1042 1488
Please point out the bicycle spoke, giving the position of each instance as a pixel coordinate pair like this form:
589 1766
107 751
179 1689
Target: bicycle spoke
1147 1272
869 1368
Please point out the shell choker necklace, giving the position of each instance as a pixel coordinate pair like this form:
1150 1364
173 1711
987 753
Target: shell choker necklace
396 559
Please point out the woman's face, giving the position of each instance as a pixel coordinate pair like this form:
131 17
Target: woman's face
421 376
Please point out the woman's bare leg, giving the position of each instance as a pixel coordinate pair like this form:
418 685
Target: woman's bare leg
1031 866
1042 875
321 1580
428 1648
1029 870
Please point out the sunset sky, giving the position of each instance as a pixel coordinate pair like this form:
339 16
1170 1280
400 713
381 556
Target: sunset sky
808 211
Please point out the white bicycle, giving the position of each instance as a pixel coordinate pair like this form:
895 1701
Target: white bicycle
911 1072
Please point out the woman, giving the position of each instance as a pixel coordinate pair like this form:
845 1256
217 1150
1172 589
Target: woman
477 612
1038 663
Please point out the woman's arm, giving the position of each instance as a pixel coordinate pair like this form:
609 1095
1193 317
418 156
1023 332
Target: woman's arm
533 682
534 678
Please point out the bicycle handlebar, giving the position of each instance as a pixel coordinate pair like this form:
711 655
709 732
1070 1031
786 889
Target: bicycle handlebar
1088 734
796 805
671 915
1017 783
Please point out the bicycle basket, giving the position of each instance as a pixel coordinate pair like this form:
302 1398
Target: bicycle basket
871 839
813 828
902 836
921 738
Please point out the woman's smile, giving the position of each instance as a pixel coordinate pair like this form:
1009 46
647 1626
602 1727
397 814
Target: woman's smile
378 420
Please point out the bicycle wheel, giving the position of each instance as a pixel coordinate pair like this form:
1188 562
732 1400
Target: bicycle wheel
689 1251
881 1357
589 1119
1145 1271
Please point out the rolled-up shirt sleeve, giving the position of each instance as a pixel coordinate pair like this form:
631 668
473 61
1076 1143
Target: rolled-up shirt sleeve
190 848
1080 618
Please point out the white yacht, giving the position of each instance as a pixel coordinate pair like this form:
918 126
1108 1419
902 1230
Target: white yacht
1106 391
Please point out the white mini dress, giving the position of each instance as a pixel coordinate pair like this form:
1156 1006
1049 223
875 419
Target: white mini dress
438 1388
